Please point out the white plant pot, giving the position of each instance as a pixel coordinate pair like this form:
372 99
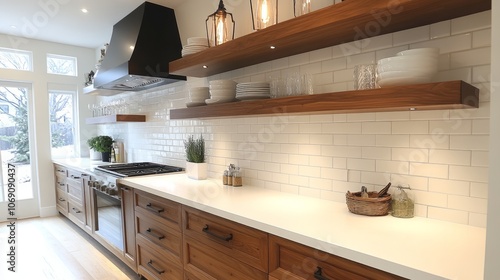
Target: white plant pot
197 171
95 155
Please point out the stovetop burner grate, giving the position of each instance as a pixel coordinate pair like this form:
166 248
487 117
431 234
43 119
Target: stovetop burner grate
137 169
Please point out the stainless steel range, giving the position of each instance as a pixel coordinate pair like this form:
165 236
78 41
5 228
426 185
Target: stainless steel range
106 196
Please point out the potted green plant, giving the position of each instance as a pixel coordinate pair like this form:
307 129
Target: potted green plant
102 144
196 167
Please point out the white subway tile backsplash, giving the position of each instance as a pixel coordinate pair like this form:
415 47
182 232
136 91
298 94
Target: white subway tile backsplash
471 22
469 173
413 35
455 216
450 157
440 29
429 170
441 154
449 186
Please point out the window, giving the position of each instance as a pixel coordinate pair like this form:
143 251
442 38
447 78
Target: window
62 123
61 65
16 59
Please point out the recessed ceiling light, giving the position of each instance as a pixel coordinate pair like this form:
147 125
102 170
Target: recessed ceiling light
272 47
84 10
205 67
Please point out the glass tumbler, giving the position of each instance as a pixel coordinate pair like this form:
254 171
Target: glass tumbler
365 76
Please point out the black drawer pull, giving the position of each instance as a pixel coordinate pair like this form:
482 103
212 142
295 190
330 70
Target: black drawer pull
62 199
75 177
154 209
150 232
61 184
318 274
225 238
76 210
150 264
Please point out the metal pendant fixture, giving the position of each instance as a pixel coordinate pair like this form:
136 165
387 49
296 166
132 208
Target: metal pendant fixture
264 13
220 26
301 7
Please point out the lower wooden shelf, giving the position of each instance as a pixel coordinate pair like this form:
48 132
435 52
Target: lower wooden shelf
431 96
116 119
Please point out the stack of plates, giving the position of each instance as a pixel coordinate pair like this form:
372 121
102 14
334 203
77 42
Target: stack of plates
252 91
414 66
197 96
194 45
221 91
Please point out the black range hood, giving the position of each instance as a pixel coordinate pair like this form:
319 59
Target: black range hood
141 47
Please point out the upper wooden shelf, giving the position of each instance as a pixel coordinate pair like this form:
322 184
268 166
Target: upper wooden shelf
432 96
115 119
347 21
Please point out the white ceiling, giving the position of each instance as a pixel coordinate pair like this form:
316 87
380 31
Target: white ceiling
62 21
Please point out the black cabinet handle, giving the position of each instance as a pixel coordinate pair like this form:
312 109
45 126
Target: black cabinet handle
74 177
154 209
62 199
61 184
76 210
150 264
150 232
318 274
222 237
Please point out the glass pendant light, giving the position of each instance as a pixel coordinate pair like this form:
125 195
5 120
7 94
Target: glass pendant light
220 26
301 7
264 13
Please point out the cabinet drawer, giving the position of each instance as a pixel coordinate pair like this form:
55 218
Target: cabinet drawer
61 183
75 192
151 228
168 210
62 201
60 170
203 262
75 175
243 243
152 264
77 211
290 260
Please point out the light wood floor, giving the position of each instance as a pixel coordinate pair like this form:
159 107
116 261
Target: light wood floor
54 248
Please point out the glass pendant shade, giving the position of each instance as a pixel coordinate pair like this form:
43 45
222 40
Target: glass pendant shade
220 26
301 7
264 13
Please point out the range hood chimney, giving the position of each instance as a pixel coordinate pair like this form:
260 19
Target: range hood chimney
141 47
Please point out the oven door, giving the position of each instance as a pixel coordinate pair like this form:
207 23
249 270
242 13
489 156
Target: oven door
108 218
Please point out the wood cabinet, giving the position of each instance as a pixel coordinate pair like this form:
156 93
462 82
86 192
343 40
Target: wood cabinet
128 226
158 236
60 174
216 248
290 260
345 22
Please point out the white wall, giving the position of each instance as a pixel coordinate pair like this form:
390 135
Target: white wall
443 154
492 271
40 81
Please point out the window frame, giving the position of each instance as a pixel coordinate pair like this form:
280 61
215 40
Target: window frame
19 51
62 57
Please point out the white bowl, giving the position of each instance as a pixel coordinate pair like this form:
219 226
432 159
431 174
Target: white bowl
403 74
197 41
430 52
223 86
200 92
407 59
222 82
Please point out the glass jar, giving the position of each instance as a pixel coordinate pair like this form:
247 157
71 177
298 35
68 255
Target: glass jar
402 203
237 179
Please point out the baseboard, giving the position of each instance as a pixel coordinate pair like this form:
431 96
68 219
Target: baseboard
48 211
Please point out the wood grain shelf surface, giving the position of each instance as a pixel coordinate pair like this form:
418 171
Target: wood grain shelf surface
115 119
348 21
431 96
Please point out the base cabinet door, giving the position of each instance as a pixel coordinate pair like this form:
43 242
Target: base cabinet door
128 213
152 264
290 260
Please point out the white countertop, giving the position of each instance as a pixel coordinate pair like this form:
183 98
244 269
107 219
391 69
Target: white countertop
415 248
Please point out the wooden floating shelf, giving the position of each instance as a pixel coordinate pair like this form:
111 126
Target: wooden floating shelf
116 119
345 22
431 96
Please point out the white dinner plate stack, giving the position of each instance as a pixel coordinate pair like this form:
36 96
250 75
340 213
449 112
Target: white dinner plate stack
221 91
253 91
194 45
197 96
415 66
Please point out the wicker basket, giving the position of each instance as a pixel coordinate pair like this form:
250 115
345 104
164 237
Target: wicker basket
370 206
